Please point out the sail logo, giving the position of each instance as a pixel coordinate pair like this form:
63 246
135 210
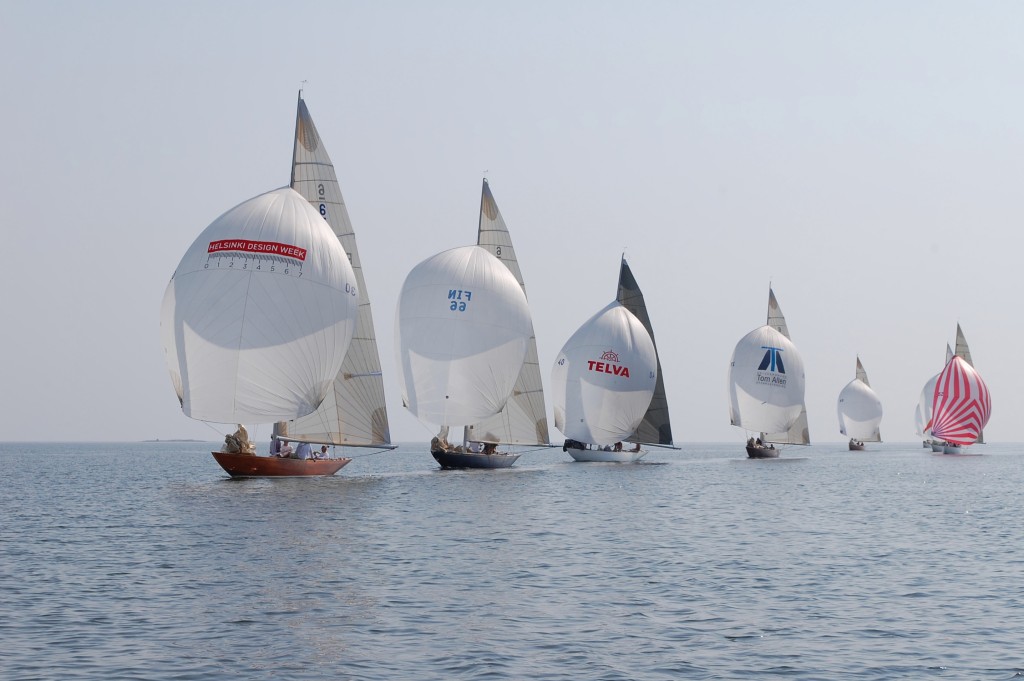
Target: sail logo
771 366
256 247
610 365
459 299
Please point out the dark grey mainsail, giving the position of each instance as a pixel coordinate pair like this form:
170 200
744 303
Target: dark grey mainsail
655 428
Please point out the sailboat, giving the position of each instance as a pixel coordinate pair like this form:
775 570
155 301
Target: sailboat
766 386
353 411
962 403
462 335
353 414
923 411
595 410
258 316
860 411
962 406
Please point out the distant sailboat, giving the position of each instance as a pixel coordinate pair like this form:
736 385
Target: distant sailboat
462 334
258 317
607 385
766 386
962 406
860 411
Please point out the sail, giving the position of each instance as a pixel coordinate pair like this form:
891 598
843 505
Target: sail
860 410
962 403
766 387
655 427
353 412
604 377
923 412
523 420
462 329
259 313
862 375
961 346
963 351
797 433
775 318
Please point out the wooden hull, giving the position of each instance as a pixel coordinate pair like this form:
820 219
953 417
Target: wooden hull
755 452
597 455
450 460
249 466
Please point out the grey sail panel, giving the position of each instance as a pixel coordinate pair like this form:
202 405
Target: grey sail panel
523 420
776 320
656 427
354 412
798 433
862 375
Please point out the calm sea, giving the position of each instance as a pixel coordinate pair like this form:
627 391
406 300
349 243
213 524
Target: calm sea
144 561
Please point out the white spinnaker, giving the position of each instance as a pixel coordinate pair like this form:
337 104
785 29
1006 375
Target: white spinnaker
766 382
923 411
259 313
860 412
354 411
523 420
604 377
461 333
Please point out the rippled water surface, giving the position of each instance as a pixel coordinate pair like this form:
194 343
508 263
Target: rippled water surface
144 561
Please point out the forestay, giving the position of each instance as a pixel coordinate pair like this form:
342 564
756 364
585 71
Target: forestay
354 411
259 313
462 329
604 377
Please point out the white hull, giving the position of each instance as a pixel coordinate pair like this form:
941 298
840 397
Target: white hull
937 447
951 449
597 455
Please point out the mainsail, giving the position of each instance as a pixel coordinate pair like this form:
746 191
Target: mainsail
259 313
655 427
860 411
962 403
963 351
462 329
766 384
353 413
604 377
523 420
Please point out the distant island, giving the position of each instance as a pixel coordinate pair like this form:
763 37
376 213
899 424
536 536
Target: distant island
172 440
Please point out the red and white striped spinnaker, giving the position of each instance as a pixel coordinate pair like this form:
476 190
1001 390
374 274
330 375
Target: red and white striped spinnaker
962 404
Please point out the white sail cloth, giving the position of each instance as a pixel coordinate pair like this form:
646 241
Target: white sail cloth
604 377
766 382
462 328
259 313
860 412
923 411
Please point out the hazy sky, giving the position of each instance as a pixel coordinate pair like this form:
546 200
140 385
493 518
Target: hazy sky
866 158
